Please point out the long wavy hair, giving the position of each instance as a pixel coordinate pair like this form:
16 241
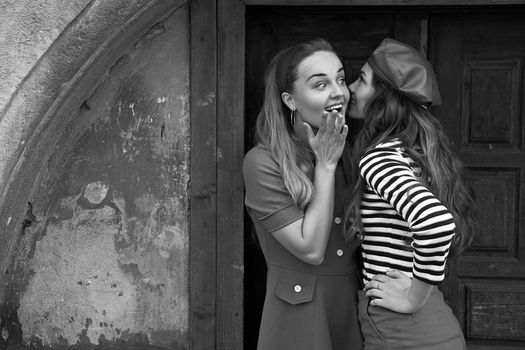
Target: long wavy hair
390 115
274 130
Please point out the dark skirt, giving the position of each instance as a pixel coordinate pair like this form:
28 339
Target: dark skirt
310 312
433 327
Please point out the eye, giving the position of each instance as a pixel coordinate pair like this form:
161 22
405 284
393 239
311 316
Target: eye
342 81
320 85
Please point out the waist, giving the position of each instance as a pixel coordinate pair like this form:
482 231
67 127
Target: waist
317 269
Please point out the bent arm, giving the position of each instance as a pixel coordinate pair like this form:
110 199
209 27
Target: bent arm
432 225
418 294
307 238
304 233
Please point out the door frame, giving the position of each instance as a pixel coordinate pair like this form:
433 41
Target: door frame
217 195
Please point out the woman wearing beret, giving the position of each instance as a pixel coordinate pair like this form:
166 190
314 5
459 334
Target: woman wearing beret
294 181
410 205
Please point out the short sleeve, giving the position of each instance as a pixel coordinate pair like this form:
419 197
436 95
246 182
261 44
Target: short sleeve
266 196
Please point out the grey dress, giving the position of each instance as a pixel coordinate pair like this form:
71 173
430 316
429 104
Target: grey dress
306 306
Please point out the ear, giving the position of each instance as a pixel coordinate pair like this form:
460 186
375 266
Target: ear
288 100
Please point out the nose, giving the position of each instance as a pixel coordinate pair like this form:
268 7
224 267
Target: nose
337 91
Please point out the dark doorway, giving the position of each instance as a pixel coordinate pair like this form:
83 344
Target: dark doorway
479 55
354 33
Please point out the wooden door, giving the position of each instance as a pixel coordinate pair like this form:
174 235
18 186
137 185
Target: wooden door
479 61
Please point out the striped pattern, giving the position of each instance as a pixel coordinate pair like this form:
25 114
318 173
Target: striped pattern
405 225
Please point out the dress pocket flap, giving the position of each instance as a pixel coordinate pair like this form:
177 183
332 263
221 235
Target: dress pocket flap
296 287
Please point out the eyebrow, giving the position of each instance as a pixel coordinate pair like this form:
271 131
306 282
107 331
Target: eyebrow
322 74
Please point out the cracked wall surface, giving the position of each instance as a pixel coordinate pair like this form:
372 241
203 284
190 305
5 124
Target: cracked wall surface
37 27
106 258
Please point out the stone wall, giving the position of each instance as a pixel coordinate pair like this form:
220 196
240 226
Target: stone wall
99 253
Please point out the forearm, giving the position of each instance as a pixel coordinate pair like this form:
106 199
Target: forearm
418 293
307 238
317 221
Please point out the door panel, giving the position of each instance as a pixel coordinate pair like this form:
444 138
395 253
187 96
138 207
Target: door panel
491 121
494 313
479 62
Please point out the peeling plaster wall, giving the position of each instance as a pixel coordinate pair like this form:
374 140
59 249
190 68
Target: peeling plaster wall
37 26
105 260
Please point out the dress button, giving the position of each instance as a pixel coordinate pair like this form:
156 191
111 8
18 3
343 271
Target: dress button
340 252
337 220
297 289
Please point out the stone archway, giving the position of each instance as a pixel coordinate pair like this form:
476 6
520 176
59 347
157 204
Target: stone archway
107 101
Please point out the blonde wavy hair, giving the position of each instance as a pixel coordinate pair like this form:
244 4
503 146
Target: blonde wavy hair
274 130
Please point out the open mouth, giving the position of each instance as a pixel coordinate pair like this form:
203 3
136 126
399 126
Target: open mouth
335 108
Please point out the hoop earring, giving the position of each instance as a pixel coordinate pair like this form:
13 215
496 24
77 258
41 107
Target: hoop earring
292 117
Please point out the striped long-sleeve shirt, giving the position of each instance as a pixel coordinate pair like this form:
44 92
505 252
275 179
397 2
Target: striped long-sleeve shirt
405 226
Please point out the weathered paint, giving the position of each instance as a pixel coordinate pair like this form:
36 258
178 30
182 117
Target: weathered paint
37 26
107 260
78 283
49 96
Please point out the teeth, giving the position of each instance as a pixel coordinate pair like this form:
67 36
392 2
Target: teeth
334 107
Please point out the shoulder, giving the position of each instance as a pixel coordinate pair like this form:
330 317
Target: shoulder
259 158
384 161
386 150
260 169
266 192
257 154
388 146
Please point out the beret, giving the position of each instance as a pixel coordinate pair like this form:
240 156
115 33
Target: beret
407 70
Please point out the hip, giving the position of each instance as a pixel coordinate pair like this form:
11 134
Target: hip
432 327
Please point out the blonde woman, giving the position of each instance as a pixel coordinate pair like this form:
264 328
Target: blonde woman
294 179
